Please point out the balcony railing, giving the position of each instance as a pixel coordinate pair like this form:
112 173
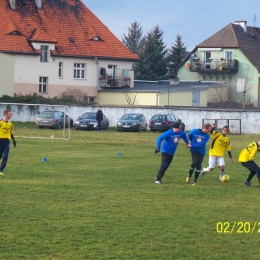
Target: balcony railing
116 82
219 66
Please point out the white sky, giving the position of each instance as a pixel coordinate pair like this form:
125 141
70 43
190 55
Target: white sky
194 20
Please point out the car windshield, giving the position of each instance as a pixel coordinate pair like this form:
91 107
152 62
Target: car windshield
89 116
130 117
46 115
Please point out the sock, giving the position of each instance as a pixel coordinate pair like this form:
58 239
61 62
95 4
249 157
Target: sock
190 172
221 173
197 173
250 176
206 169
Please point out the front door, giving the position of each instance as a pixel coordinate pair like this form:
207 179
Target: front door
195 98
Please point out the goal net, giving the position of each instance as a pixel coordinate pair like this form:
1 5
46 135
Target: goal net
40 121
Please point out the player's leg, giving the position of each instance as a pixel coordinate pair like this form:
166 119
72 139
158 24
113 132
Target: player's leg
166 161
194 159
254 169
198 166
212 162
221 165
5 152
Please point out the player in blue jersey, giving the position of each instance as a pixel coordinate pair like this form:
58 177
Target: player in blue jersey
170 141
198 138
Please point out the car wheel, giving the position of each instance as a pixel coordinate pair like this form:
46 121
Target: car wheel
107 126
59 126
139 128
145 128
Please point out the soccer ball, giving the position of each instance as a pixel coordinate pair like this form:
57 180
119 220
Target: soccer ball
225 178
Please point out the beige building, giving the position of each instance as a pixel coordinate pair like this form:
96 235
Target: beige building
60 46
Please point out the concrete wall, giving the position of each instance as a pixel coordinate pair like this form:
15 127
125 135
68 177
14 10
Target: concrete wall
192 117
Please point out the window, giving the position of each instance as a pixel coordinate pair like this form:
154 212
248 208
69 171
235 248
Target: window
43 84
229 55
44 53
207 55
60 69
79 71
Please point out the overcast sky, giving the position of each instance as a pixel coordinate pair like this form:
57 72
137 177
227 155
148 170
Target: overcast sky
194 20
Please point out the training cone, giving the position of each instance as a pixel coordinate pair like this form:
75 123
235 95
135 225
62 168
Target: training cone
44 159
119 154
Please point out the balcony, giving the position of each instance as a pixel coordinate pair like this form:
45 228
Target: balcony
116 82
214 67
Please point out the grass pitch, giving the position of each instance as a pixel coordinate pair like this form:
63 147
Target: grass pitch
87 202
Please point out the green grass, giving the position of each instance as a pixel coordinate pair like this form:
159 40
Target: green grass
86 202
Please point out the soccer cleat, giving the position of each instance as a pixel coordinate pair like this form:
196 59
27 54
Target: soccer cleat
248 183
1 173
194 183
188 179
158 181
202 173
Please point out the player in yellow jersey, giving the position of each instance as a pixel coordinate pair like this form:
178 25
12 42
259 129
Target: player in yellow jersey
246 157
220 143
6 133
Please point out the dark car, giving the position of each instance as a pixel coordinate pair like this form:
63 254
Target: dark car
88 121
53 119
132 122
163 122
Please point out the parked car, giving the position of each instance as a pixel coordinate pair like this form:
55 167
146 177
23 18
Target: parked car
88 121
132 122
163 122
53 119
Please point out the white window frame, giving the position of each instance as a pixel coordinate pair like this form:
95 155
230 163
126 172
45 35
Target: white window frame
79 71
225 53
44 53
60 70
208 60
43 84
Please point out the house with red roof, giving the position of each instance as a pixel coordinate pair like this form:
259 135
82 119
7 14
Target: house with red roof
231 55
50 46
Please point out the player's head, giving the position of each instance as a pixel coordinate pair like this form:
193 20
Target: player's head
225 130
176 127
207 128
7 114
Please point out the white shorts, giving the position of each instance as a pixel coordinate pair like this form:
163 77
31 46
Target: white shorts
216 159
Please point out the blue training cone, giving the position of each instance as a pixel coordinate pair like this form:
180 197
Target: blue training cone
44 159
119 154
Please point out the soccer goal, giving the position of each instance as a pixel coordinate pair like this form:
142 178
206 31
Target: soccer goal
233 124
29 121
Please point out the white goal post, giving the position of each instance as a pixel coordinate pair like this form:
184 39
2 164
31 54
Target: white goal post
22 112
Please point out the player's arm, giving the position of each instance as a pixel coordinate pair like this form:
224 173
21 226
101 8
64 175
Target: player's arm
14 142
185 139
159 140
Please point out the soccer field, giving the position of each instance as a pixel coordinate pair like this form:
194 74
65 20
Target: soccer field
86 202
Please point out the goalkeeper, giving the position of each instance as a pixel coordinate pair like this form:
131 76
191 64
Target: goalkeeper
171 139
6 133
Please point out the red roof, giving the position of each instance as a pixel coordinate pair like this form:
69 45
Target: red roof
69 24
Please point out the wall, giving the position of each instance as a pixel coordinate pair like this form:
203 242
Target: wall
192 117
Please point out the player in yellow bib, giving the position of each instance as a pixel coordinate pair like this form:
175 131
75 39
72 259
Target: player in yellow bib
220 143
247 157
6 133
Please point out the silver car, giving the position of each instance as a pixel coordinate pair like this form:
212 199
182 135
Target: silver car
53 119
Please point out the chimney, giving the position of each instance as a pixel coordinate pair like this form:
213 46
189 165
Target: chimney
38 3
242 24
12 4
